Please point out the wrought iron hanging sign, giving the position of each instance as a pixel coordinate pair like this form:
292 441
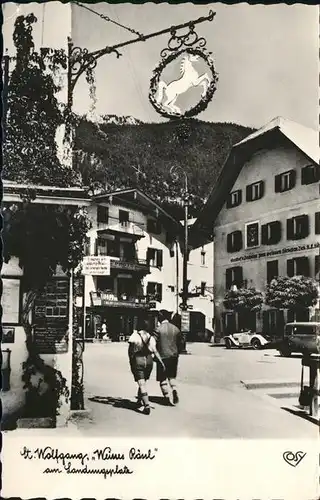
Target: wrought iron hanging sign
185 81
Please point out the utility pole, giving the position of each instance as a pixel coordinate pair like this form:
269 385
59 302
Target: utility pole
5 80
185 315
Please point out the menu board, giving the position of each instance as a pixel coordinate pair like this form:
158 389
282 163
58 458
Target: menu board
10 300
50 337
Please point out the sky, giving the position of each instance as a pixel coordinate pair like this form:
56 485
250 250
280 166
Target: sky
266 58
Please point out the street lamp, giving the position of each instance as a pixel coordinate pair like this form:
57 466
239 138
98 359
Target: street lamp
185 318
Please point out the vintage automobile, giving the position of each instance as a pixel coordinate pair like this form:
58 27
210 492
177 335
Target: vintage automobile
300 337
246 339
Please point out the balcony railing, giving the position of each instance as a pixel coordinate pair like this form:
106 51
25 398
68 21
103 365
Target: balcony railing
110 299
122 227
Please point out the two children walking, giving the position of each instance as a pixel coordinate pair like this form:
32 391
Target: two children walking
163 346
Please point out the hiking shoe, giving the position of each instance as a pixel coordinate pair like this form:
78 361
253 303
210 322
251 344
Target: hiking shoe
145 410
167 401
175 397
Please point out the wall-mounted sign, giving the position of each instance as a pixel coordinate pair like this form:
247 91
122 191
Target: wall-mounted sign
96 265
252 234
7 335
51 337
272 253
10 300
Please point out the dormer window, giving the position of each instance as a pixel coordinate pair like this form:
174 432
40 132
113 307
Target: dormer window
255 191
234 198
285 181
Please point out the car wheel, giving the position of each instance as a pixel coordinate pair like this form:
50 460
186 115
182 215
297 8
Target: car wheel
256 344
228 344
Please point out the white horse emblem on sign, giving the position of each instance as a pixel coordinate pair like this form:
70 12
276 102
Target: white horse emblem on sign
189 78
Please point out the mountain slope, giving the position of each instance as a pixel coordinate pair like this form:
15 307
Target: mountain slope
128 153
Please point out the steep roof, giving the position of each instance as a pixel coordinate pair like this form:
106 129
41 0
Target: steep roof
304 138
135 198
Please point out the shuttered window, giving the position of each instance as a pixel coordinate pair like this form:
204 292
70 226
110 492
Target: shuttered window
102 214
255 191
272 270
310 174
317 223
154 257
298 227
298 266
285 181
234 241
234 276
234 199
155 290
271 233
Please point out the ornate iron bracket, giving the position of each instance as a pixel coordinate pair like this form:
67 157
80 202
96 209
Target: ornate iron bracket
80 60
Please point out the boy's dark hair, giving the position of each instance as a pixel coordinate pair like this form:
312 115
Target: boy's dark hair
142 324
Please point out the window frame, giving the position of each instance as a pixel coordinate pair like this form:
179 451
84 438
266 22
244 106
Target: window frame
105 210
258 232
125 222
230 203
250 187
305 173
291 175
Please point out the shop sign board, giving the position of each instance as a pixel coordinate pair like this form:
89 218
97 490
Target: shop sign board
185 321
96 265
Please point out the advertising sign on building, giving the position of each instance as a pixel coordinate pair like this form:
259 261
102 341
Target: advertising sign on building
94 265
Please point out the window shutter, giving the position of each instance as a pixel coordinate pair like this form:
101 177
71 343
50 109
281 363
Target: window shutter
304 226
149 226
96 246
238 276
292 179
229 242
277 183
264 234
159 258
262 189
290 229
290 267
238 240
305 175
159 292
228 278
303 266
249 193
317 223
149 250
275 232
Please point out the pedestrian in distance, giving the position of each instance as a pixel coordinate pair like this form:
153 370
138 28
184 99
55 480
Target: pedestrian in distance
142 349
169 344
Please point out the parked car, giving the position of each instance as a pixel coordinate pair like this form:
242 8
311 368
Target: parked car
246 339
301 337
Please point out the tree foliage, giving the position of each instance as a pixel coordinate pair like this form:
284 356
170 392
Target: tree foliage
243 299
293 293
114 156
30 150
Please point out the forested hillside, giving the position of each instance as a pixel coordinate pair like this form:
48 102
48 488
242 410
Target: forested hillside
113 156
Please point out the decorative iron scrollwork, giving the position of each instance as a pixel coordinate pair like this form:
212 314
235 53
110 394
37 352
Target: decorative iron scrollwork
186 40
